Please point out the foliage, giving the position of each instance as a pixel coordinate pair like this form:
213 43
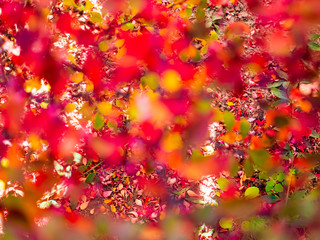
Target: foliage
111 103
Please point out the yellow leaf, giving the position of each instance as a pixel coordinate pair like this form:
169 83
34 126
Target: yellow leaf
121 52
214 35
69 3
2 185
171 81
113 208
107 201
103 46
70 107
96 17
172 142
77 77
90 86
31 84
217 115
71 58
104 108
5 162
88 6
44 105
35 142
119 43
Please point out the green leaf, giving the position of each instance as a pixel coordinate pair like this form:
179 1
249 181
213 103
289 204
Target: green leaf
90 177
127 26
195 200
151 80
216 17
298 195
96 17
314 134
278 187
200 14
188 11
217 29
263 175
279 93
244 127
223 183
314 46
314 37
204 50
282 74
181 191
207 234
251 192
225 223
203 106
280 177
275 84
259 156
229 119
73 205
98 121
214 35
248 168
82 168
269 186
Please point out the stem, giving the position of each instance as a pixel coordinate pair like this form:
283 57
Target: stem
94 167
289 184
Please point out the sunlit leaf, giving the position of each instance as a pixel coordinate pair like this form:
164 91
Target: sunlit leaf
226 223
96 17
280 177
103 46
251 192
77 77
223 183
69 3
171 81
104 107
113 208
